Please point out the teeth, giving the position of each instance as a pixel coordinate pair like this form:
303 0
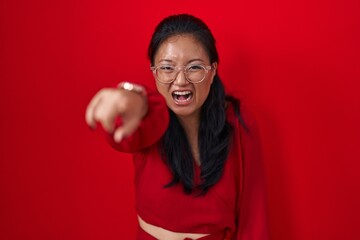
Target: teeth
182 93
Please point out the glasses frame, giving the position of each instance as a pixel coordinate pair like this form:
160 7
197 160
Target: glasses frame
182 68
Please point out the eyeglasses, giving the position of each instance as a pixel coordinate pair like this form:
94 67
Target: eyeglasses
193 73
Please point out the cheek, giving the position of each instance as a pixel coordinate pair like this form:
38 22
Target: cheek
203 92
160 88
163 90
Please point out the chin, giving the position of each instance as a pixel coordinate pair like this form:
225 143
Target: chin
184 112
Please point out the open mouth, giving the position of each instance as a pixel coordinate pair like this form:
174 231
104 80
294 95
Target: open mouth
182 96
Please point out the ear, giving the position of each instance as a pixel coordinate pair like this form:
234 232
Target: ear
214 66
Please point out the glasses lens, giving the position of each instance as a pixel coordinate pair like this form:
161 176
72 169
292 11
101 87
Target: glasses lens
165 73
195 73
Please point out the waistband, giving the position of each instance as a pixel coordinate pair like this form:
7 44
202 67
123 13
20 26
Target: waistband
222 235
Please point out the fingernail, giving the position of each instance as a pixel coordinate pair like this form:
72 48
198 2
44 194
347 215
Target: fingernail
118 138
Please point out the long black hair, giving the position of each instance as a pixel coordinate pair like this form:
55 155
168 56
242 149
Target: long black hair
215 133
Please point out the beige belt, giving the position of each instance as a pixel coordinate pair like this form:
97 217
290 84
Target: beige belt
163 234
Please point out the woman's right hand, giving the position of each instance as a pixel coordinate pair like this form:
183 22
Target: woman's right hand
110 103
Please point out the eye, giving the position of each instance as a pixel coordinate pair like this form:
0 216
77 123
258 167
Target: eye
166 68
194 68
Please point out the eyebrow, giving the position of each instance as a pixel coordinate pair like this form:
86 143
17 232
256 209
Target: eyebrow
196 59
192 60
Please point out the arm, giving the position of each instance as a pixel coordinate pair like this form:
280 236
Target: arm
252 205
152 126
130 120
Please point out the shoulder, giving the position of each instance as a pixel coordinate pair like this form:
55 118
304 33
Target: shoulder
238 113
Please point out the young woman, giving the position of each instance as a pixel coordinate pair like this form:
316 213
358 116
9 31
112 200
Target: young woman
196 151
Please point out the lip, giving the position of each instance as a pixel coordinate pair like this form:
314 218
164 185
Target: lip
182 92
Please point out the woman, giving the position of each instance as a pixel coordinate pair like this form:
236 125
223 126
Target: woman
198 168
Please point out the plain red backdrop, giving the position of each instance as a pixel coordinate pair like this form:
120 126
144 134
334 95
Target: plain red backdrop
295 63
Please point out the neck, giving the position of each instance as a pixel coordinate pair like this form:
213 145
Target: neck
190 124
191 127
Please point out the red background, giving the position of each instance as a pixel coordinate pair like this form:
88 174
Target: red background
295 63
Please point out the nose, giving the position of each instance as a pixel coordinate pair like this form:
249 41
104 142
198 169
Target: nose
180 78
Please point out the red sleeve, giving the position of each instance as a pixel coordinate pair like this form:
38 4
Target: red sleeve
252 217
150 130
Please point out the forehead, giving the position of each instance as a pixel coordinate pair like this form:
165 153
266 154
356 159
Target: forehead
181 48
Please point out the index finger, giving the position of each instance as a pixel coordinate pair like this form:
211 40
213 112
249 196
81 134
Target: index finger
89 114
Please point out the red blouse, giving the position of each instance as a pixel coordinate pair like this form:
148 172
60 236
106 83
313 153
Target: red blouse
236 203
